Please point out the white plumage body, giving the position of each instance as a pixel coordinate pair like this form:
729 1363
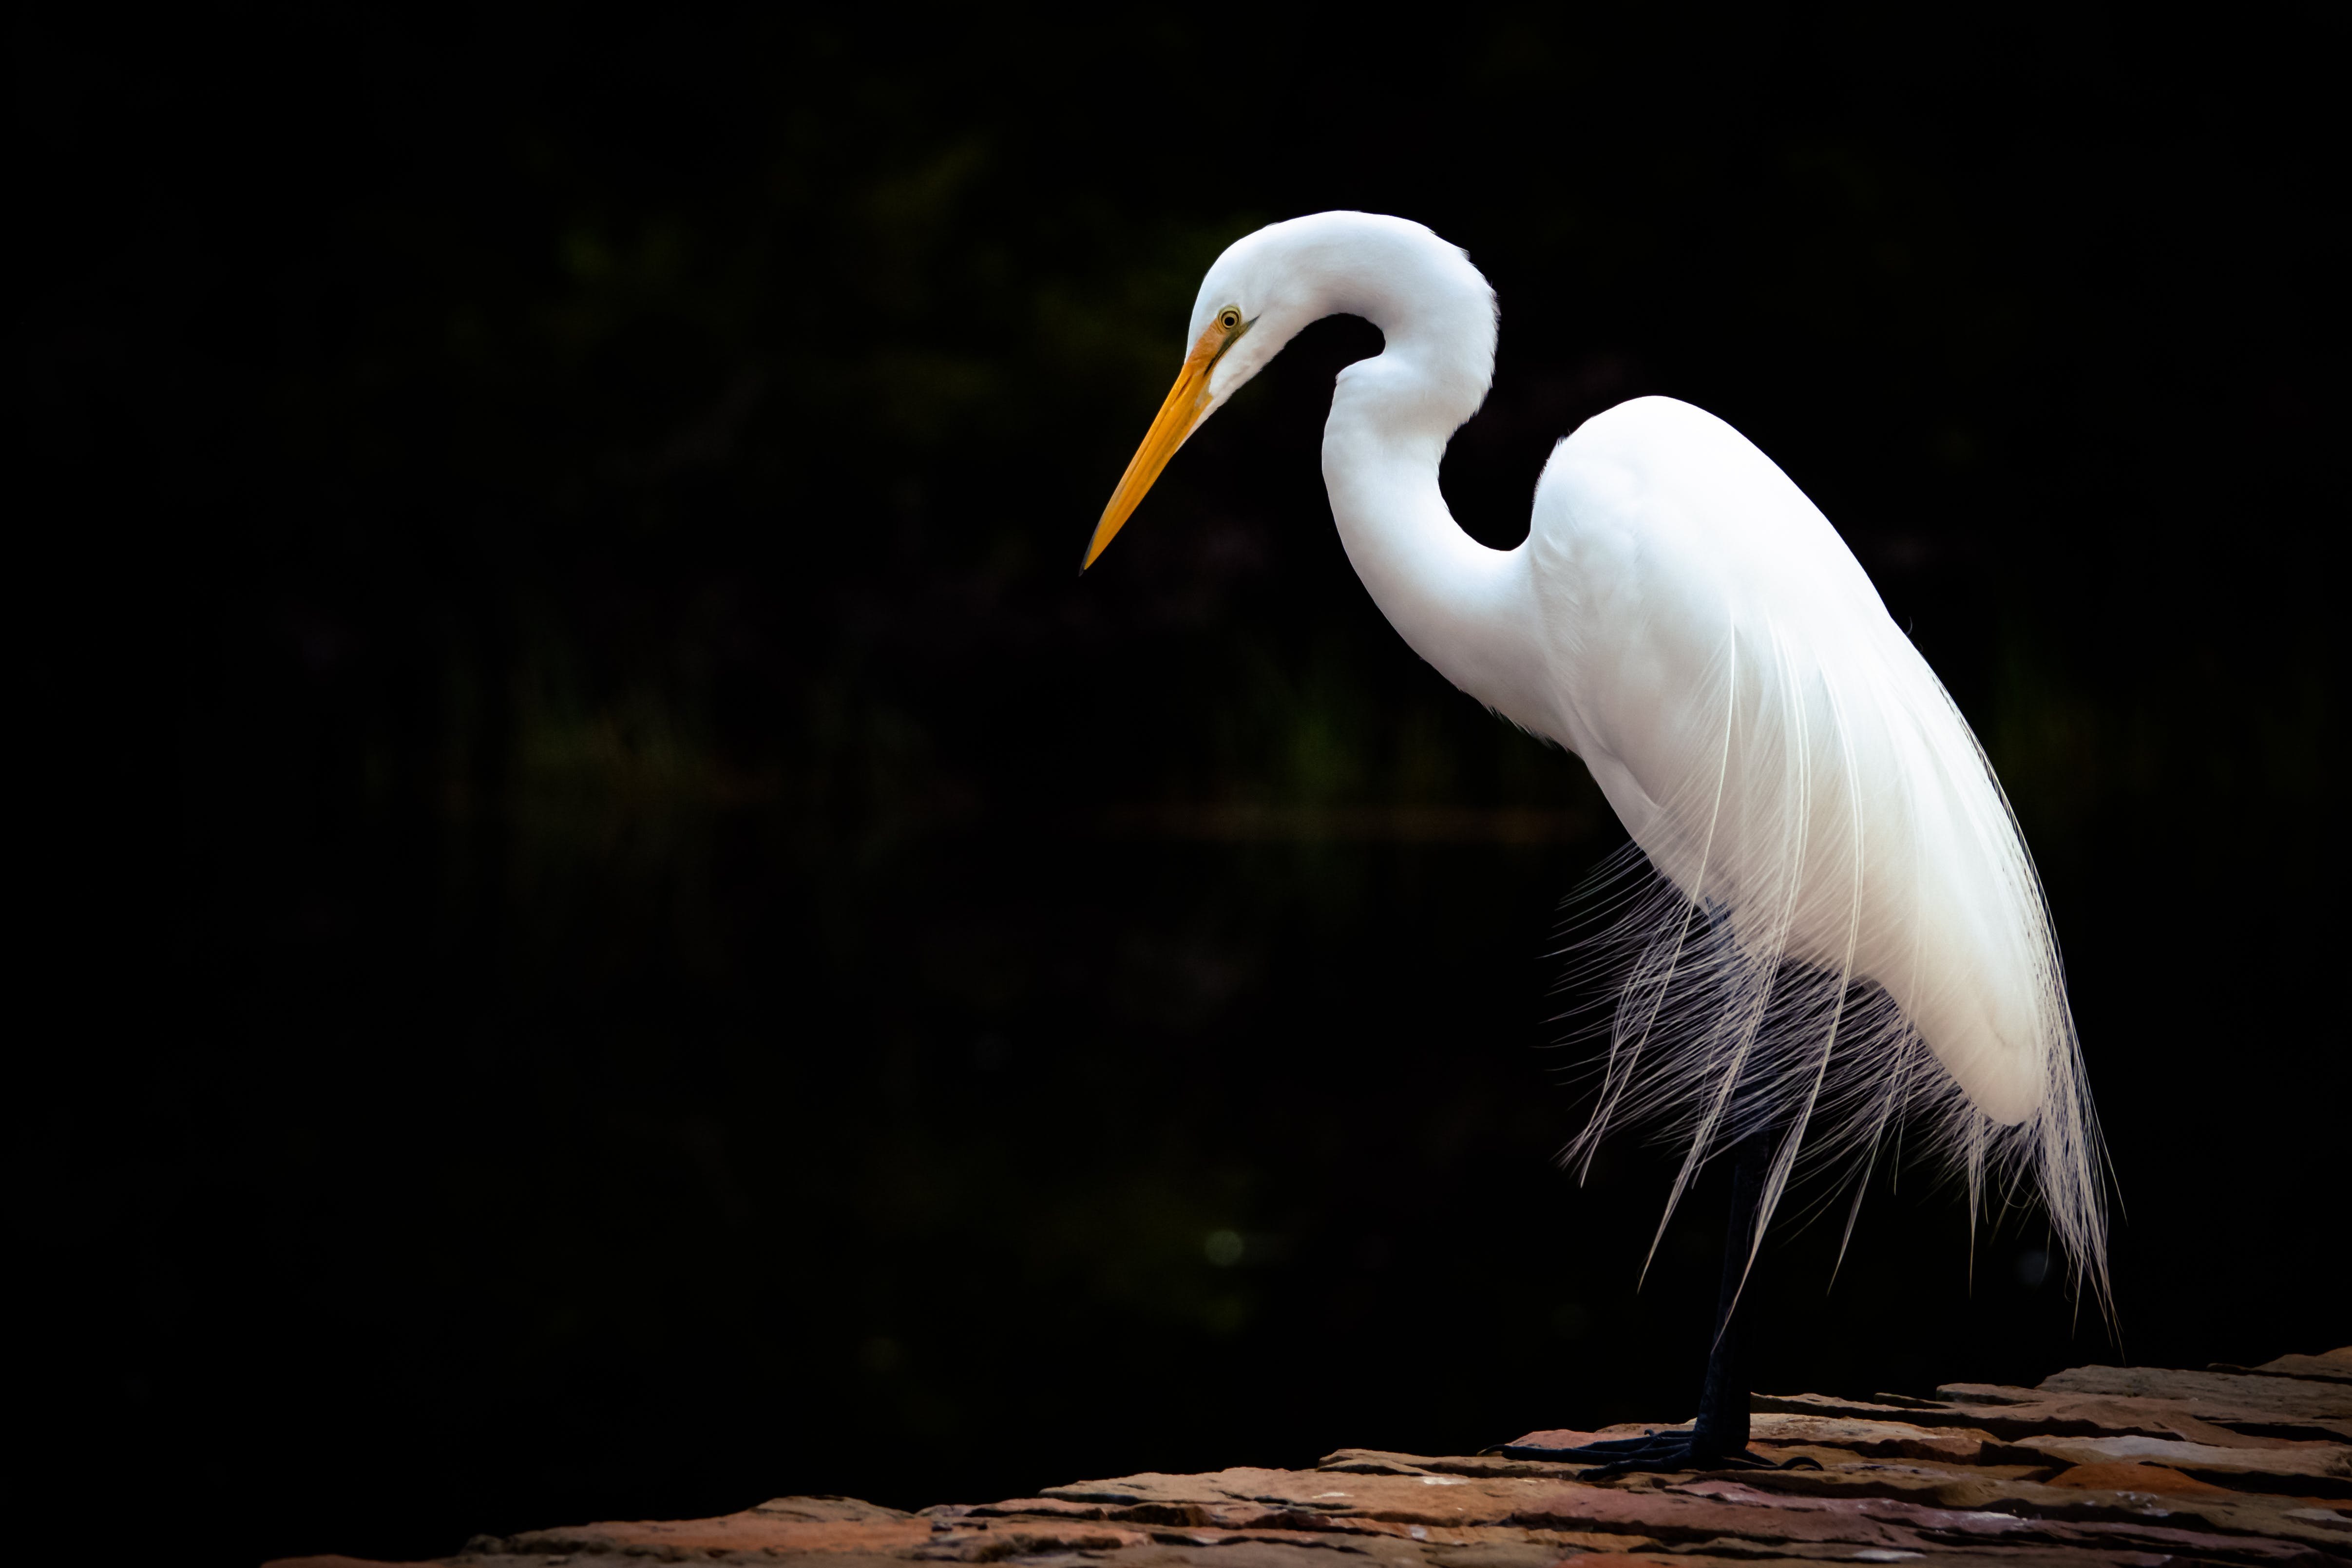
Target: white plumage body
1772 740
1838 923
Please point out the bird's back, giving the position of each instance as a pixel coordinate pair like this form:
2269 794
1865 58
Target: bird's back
1872 938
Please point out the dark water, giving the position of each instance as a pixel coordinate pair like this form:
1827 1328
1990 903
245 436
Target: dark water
609 930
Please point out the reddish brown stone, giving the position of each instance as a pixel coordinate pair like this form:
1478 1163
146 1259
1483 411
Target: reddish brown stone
2102 1468
2334 1366
1564 1438
2218 1391
1887 1439
2311 1469
788 1525
2155 1479
2035 1414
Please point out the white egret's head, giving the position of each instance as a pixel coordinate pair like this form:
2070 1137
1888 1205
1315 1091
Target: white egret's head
1253 301
1268 285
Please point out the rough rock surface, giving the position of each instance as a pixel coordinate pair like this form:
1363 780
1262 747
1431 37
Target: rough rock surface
2099 1467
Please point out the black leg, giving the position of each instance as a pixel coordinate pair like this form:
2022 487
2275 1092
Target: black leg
1722 1424
1719 1438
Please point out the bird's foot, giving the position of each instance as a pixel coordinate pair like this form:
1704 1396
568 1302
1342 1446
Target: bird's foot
1660 1452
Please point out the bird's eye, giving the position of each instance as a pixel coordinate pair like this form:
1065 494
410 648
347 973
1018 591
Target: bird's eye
1229 318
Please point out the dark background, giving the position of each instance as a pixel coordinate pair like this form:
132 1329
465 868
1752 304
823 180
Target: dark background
611 932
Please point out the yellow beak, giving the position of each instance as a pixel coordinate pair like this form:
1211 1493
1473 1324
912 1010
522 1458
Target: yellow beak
1187 405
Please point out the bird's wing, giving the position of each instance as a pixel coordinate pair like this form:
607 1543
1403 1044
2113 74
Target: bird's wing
1845 926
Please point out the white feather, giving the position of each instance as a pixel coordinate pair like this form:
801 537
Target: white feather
1876 944
1833 927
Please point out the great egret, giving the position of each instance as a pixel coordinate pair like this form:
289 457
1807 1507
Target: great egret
1827 921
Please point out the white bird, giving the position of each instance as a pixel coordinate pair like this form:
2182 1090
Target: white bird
1827 922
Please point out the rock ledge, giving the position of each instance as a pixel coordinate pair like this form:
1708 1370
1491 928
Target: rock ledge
2128 1467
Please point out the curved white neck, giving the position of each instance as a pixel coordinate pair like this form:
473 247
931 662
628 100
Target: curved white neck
1456 602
